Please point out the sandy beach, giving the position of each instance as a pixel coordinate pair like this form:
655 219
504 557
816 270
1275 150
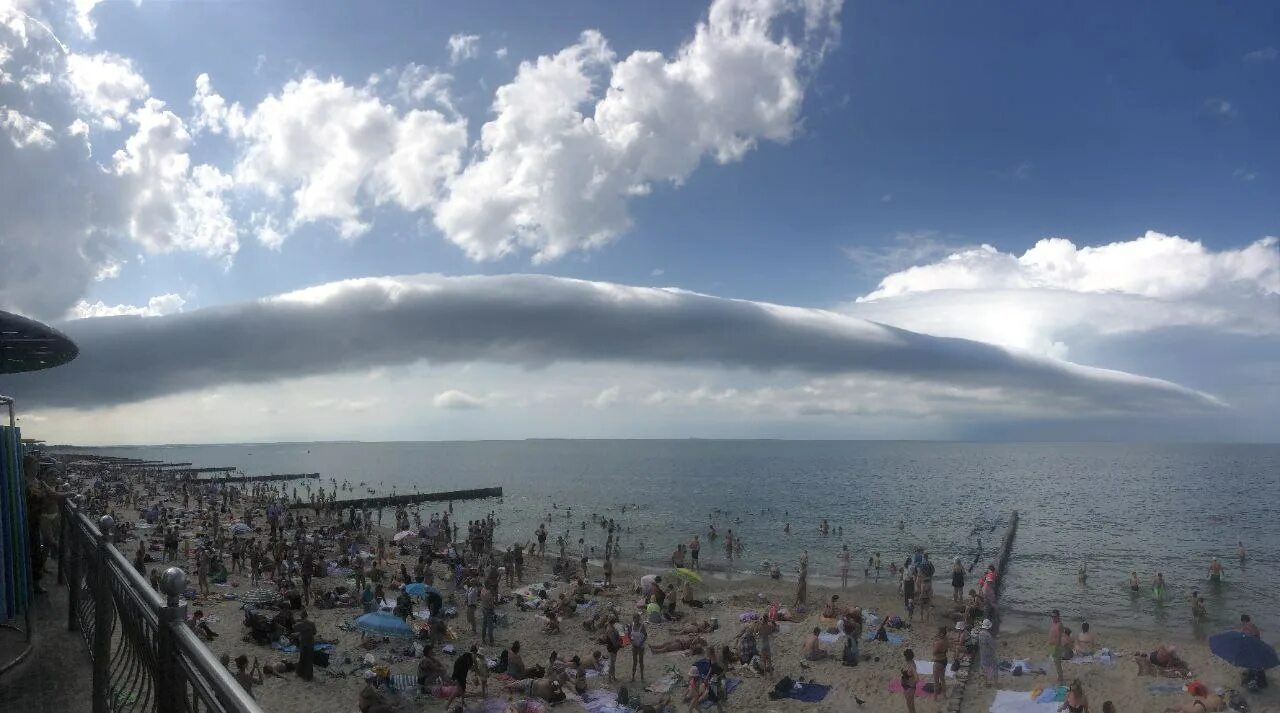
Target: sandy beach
726 598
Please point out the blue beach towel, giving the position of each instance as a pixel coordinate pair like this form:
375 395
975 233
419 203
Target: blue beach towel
894 639
1053 695
809 692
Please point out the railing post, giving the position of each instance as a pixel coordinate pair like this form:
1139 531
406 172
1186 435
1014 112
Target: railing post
62 541
170 688
72 532
104 609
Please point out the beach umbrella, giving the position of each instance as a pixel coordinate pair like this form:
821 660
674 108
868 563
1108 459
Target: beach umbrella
688 575
403 535
382 623
421 590
1239 649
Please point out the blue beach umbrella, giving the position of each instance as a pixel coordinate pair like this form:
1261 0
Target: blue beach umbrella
421 590
382 623
1243 650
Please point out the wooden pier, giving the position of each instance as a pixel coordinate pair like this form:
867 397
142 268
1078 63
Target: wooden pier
255 478
969 664
386 501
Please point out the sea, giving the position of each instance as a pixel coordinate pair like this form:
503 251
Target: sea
1111 508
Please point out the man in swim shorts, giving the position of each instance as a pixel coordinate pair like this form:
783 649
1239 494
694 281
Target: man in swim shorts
1055 643
1215 571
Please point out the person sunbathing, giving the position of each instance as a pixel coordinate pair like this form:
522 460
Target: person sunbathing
1086 643
683 643
553 624
1164 661
695 627
812 647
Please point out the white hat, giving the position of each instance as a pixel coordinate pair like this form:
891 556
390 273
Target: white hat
986 623
959 626
369 675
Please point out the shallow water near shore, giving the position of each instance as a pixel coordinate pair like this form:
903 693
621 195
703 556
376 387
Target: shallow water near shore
1114 508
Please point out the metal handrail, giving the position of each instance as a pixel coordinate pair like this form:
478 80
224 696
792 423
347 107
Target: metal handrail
179 673
194 655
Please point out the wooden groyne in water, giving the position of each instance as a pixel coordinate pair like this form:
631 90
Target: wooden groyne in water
969 663
386 501
256 478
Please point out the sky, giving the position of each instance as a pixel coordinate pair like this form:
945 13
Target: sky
738 219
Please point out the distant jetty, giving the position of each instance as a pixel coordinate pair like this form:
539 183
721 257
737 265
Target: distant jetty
385 501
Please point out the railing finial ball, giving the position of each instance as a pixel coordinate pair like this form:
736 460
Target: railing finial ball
173 583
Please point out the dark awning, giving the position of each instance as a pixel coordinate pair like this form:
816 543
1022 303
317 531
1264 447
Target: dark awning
27 345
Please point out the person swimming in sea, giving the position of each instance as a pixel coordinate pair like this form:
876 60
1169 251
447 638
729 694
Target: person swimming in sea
1134 586
1240 551
1157 588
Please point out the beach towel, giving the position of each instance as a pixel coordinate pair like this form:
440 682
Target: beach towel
729 685
1056 694
604 670
404 681
894 639
748 616
598 700
827 638
1020 702
925 668
1164 688
528 705
1103 657
809 692
895 685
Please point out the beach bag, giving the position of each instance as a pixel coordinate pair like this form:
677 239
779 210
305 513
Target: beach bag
321 659
782 688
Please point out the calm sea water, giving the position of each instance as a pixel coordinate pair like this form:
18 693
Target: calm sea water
1114 508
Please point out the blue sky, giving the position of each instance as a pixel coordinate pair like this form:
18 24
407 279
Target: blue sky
924 132
992 122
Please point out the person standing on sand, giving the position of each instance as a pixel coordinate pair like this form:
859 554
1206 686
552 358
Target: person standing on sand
765 629
957 581
1055 643
639 634
908 678
802 582
987 653
694 547
940 647
844 566
306 631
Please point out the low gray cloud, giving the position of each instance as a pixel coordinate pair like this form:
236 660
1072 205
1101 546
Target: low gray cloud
534 321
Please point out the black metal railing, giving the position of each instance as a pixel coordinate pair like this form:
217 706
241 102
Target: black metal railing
145 657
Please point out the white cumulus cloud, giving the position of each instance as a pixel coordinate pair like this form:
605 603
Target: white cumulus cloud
607 397
213 113
326 148
463 47
559 161
157 306
173 206
105 85
456 400
1056 290
25 131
